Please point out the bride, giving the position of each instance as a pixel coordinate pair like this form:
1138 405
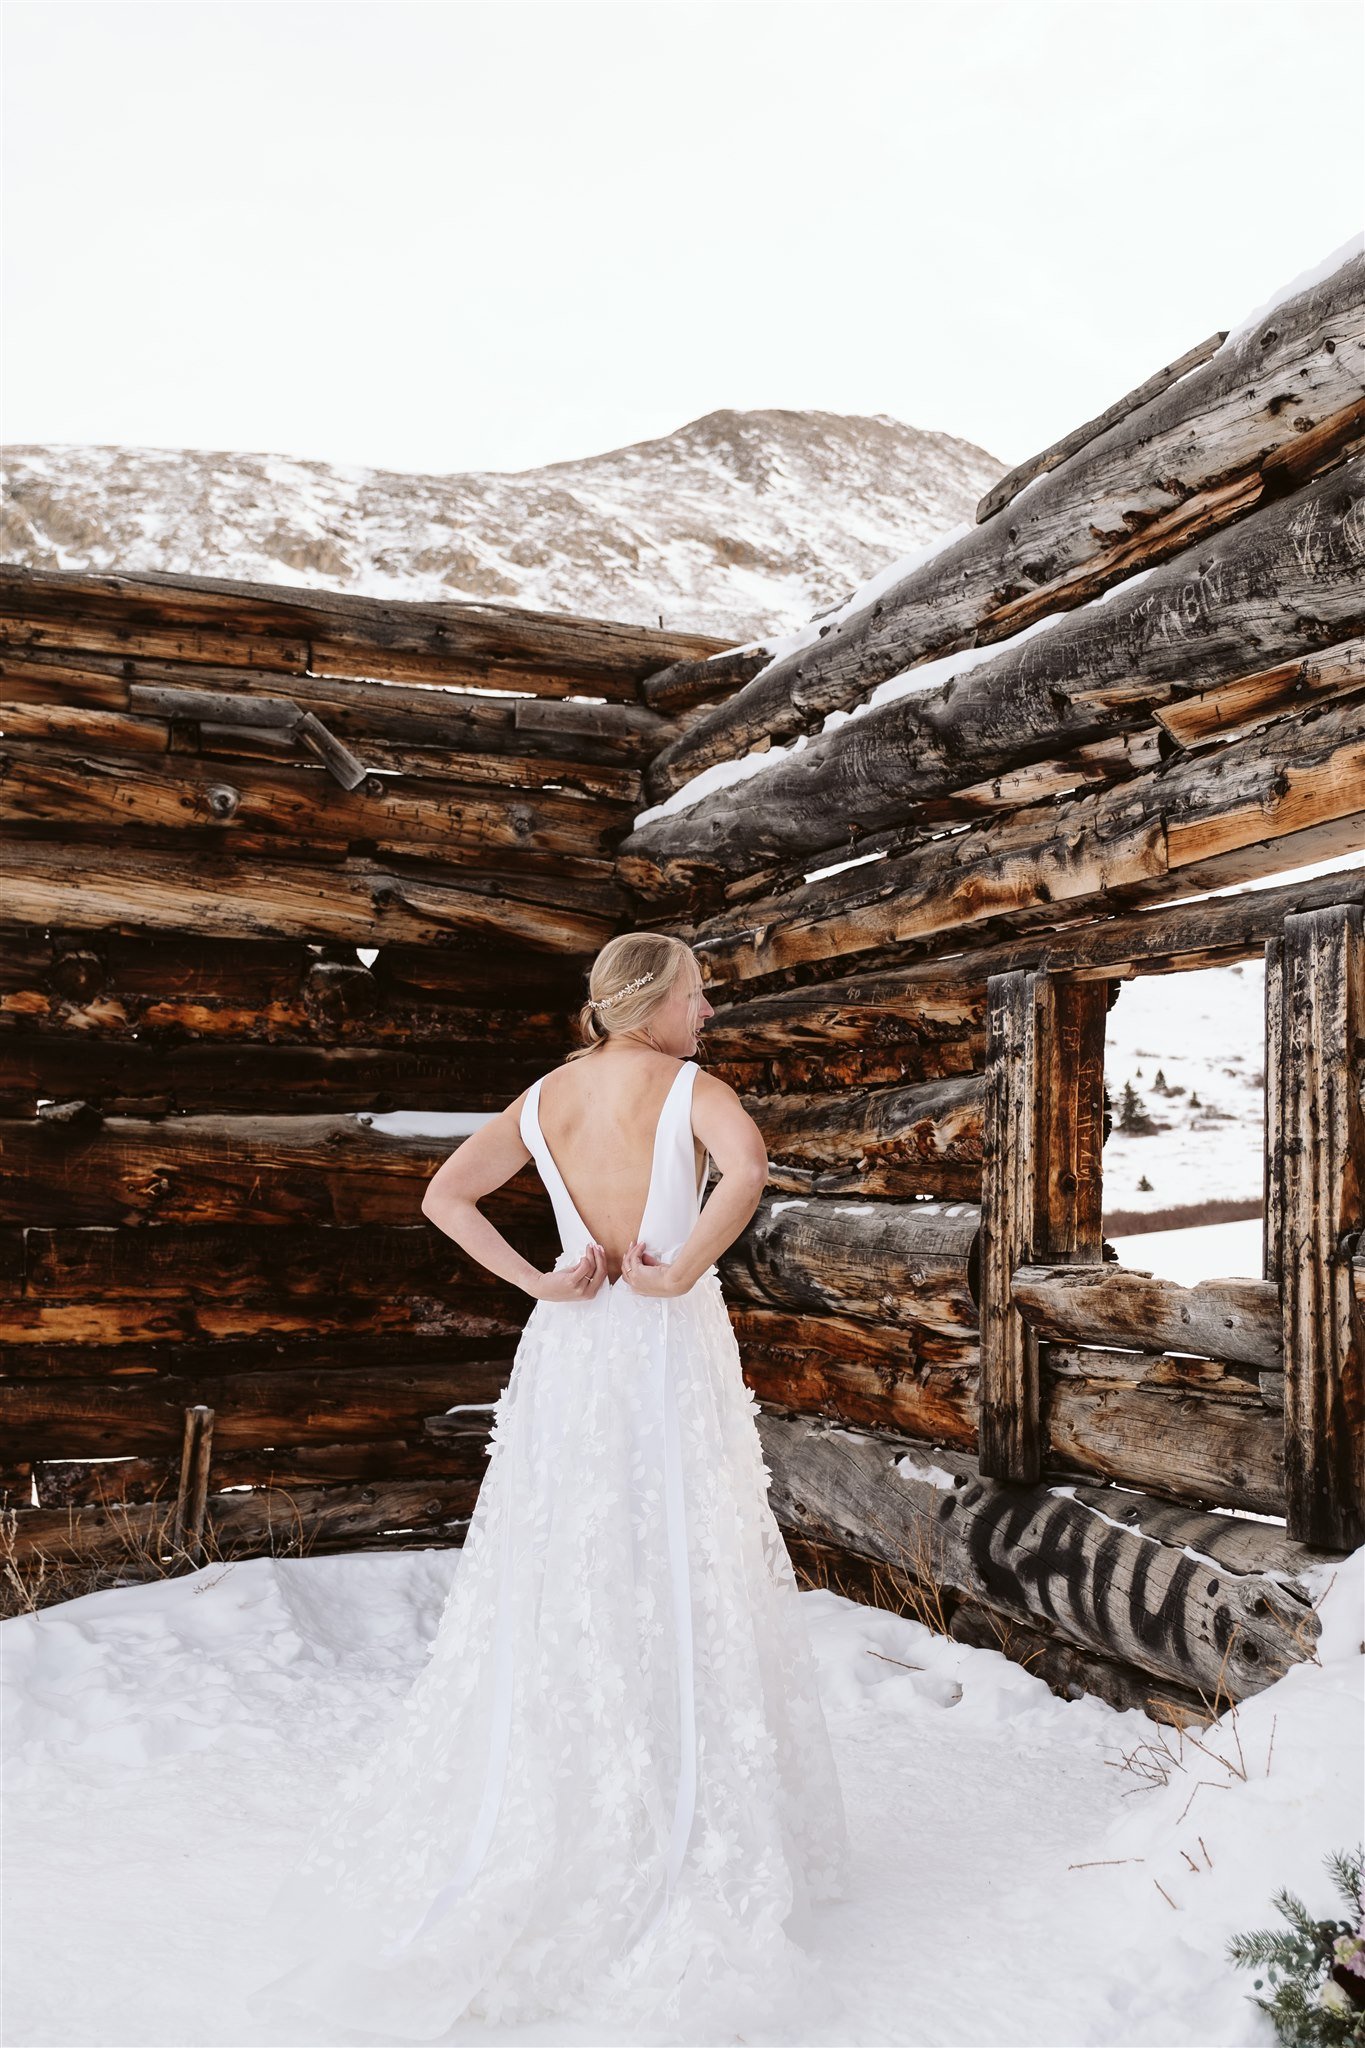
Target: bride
609 1795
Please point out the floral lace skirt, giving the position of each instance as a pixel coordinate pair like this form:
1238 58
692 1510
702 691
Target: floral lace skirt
610 1794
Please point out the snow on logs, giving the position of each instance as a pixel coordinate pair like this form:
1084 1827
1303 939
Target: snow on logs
200 619
1274 407
1281 797
1247 603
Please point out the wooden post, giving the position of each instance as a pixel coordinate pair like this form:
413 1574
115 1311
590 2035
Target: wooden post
1315 1143
1041 1185
191 1501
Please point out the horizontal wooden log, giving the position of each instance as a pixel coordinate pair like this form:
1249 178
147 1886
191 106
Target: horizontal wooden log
1269 411
301 1262
904 1016
1207 932
141 1077
274 1521
685 684
1229 1319
177 987
1249 597
495 646
93 1482
365 903
405 728
1217 1442
1227 709
1010 485
868 1376
94 1418
924 1139
487 1330
1229 1379
883 1262
1186 1444
261 1170
912 1010
172 1285
1280 798
300 808
1036 1551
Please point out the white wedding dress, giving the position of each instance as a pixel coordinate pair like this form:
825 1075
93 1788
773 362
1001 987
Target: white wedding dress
610 1794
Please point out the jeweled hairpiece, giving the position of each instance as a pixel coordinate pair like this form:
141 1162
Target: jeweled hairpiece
603 1002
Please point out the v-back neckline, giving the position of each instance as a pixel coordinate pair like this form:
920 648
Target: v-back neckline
653 1154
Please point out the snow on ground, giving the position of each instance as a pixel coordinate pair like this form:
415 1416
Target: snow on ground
1192 1047
1209 1251
168 1747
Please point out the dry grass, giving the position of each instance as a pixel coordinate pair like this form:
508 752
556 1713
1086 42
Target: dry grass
1219 1744
137 1548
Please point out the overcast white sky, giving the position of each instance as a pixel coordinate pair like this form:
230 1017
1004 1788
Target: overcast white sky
457 235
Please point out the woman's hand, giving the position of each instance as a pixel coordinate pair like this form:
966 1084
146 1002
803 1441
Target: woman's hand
644 1274
575 1283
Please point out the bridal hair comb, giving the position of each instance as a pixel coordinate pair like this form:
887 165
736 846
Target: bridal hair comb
602 1002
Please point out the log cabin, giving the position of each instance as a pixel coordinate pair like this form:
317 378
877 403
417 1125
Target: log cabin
278 864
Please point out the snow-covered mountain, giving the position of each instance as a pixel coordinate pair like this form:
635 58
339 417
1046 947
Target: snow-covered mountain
740 523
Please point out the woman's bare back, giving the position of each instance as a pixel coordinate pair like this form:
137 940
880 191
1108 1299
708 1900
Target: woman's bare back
598 1117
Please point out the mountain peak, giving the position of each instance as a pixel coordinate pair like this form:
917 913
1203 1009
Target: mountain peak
741 522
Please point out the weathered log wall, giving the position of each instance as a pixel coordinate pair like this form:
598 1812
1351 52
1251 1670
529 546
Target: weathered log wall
913 925
211 796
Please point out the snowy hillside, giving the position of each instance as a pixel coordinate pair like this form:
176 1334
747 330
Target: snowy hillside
1191 1047
739 523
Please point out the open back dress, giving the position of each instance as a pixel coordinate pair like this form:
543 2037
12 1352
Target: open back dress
609 1794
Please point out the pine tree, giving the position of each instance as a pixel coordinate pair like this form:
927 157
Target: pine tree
1133 1116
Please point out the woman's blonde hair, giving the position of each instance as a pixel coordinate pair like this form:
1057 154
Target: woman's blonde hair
631 975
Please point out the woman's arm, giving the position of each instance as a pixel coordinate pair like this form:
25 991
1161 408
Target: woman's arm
479 1164
735 1143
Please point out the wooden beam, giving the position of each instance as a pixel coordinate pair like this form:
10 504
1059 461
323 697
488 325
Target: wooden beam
1017 1064
1237 1320
96 1418
180 987
868 1375
1280 404
1042 1189
240 1078
406 727
154 1290
1315 992
685 684
191 1500
1012 483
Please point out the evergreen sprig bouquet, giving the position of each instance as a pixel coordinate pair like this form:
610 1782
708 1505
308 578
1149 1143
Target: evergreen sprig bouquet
1315 1969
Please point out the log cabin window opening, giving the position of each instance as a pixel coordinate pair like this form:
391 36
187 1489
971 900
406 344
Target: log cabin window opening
1184 1154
